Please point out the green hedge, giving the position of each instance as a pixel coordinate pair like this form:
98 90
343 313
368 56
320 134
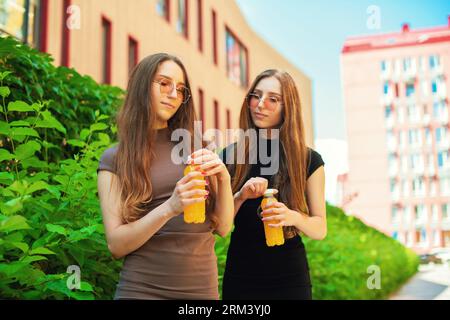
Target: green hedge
72 98
54 125
339 264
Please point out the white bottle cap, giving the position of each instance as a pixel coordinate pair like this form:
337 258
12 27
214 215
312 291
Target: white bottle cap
270 192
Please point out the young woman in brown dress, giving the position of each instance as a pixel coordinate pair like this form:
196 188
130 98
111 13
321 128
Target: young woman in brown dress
143 192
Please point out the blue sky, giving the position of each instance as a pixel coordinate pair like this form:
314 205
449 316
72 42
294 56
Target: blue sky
310 34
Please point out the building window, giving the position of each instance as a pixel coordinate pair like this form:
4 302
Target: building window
133 56
445 187
163 9
201 103
414 137
216 115
388 112
394 215
435 61
26 21
397 90
106 50
237 64
424 88
437 238
443 161
413 113
65 41
434 86
182 21
441 134
410 90
445 211
386 88
434 213
395 235
428 136
214 37
407 213
406 64
200 24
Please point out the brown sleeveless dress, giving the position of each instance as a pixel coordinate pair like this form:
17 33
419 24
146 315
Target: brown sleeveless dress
179 261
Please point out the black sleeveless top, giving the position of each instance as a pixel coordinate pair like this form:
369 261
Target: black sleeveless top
255 271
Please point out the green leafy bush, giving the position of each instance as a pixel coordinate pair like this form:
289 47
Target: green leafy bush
50 221
72 98
339 264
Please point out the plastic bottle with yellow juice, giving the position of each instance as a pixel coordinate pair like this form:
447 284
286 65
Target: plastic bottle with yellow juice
274 236
195 213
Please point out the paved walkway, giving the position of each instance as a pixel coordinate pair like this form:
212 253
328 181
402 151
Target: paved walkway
432 282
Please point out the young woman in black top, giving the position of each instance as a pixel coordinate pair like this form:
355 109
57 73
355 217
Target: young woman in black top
254 270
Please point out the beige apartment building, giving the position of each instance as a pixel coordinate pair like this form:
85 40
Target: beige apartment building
395 88
106 38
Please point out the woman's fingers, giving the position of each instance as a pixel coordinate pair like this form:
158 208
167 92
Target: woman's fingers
202 159
192 184
214 170
278 217
277 225
189 177
194 194
274 204
211 163
187 202
200 153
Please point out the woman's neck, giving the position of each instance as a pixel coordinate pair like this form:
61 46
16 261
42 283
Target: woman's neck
269 133
161 125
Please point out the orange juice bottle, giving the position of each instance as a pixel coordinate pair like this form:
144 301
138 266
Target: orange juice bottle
195 213
274 236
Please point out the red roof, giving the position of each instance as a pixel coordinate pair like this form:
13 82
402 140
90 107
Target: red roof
404 38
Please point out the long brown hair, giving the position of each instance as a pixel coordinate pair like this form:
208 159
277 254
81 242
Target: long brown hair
291 177
136 133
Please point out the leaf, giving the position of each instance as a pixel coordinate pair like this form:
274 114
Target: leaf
56 229
54 191
34 162
100 126
21 245
84 134
85 286
104 138
19 186
14 223
5 155
20 123
38 185
11 268
50 122
3 75
29 259
19 106
4 92
27 150
49 145
4 128
76 143
23 132
102 117
64 180
41 250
